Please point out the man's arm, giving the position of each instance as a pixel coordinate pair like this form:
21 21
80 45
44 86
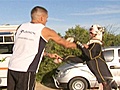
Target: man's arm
51 34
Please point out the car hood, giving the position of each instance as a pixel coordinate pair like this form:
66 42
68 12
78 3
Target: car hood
68 65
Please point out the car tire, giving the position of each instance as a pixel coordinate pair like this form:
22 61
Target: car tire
77 83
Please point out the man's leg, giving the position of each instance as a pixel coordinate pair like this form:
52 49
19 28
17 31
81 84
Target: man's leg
10 81
20 80
26 81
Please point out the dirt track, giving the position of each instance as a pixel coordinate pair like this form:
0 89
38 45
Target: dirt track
37 87
42 87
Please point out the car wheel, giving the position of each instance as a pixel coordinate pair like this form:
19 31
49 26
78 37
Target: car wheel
77 83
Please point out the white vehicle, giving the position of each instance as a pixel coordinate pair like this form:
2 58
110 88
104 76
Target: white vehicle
77 76
7 33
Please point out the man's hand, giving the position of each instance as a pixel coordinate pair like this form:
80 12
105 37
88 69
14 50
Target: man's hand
56 56
58 59
86 46
70 39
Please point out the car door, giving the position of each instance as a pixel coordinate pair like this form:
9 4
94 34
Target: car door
111 57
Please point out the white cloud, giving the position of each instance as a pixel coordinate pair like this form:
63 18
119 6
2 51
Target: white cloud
55 19
110 9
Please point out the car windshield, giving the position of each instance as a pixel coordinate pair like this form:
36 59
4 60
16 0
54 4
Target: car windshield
6 48
108 55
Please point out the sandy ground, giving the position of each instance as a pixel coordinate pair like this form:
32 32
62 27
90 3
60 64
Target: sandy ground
37 87
42 87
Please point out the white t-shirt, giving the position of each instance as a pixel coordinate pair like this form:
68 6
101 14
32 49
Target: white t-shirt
28 48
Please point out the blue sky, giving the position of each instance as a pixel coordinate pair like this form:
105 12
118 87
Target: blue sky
64 14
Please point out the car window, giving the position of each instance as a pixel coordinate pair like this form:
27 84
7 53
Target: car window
6 48
6 38
9 38
108 55
1 39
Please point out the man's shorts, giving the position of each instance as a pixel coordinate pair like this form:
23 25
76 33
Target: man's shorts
20 80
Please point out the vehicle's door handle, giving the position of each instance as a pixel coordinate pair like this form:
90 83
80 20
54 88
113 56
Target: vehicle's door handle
114 67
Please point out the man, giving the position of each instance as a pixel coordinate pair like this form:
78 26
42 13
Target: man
28 50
